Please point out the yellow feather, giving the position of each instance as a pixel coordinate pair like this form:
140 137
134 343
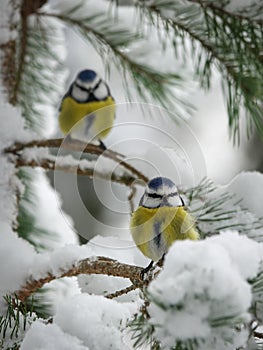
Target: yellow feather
73 112
173 223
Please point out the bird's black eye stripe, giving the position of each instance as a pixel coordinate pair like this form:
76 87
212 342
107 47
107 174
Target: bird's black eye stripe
97 85
172 194
83 88
154 195
91 90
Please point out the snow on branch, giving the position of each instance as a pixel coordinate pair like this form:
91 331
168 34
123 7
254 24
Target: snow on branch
52 164
98 265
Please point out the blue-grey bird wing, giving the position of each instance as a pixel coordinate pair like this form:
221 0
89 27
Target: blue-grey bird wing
109 94
68 93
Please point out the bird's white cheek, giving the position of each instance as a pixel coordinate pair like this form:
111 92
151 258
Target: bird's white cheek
152 202
175 201
79 94
101 93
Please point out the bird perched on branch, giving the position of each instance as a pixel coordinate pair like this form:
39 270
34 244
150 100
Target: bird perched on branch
161 219
87 110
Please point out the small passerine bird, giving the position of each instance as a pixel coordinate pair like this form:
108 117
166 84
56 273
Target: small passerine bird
87 110
161 219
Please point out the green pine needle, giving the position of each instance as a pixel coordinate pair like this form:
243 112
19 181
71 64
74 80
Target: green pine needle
142 333
35 86
232 42
15 322
216 211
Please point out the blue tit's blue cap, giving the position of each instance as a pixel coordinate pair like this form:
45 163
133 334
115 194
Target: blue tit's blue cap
87 75
158 182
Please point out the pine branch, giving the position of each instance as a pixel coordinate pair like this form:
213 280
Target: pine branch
232 44
30 86
118 293
221 9
95 265
142 331
28 7
48 164
216 210
75 146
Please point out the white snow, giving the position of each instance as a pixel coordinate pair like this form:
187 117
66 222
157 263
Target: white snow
234 206
6 14
24 263
95 320
11 131
13 250
16 330
245 253
53 220
249 186
37 265
50 337
199 286
18 255
81 322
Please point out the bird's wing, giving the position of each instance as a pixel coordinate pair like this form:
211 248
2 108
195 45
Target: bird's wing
109 94
68 93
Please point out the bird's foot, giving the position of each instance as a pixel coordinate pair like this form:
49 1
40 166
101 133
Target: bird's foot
102 145
146 270
152 268
161 261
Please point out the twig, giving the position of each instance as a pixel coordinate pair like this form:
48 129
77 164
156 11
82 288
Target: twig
98 265
131 196
47 164
77 146
118 293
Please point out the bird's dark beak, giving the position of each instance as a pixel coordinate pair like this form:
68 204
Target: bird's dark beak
164 202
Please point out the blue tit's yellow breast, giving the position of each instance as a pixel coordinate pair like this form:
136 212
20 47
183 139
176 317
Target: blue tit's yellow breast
165 225
72 112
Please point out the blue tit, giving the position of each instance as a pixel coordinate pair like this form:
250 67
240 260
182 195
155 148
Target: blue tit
87 110
161 219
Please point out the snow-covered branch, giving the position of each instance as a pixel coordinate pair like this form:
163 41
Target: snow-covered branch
94 265
49 164
74 146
